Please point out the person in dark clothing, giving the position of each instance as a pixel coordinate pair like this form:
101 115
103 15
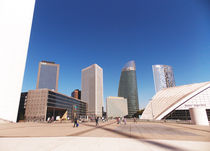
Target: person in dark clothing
97 118
75 122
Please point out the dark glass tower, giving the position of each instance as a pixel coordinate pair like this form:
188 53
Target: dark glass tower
128 87
48 75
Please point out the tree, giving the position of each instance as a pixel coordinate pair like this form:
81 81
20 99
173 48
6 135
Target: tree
139 112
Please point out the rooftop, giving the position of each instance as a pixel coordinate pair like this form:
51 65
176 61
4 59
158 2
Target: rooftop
171 98
129 66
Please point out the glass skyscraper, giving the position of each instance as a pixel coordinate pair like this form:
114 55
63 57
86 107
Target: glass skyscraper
163 77
48 75
128 87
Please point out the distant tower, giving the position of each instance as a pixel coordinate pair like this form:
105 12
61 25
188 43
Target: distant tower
48 75
92 89
128 87
76 94
163 77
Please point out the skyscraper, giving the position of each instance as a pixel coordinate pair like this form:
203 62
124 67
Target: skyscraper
128 87
92 89
163 77
48 75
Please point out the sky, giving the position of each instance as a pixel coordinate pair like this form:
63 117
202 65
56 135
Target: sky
77 34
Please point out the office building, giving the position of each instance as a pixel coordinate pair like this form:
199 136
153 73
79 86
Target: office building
128 87
22 106
48 75
116 107
76 94
163 77
15 28
44 103
174 103
92 89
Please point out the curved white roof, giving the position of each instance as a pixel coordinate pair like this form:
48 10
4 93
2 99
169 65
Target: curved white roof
169 99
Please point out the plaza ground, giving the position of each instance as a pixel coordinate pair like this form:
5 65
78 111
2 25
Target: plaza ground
107 136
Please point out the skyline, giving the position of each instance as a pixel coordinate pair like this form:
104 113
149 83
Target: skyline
78 34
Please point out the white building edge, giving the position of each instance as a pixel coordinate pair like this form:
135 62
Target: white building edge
178 98
15 27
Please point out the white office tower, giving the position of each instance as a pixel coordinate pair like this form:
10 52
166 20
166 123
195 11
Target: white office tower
15 27
116 106
92 89
163 77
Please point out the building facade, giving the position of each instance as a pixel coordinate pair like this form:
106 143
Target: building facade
163 77
44 103
128 87
116 107
92 89
76 94
22 106
48 75
174 103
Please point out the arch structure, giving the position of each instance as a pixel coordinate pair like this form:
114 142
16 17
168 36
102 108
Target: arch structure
16 19
172 103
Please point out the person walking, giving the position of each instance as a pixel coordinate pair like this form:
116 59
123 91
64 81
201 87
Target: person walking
97 118
134 120
75 122
118 120
124 120
52 119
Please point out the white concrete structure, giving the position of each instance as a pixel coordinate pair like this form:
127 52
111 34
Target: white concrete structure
116 106
199 116
92 89
178 98
15 26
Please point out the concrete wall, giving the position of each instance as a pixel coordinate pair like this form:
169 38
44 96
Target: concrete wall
199 116
36 106
116 107
15 26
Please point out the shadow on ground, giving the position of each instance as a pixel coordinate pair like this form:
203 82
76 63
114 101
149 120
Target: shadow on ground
137 138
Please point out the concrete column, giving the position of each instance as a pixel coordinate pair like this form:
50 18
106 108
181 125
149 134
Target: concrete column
15 27
199 116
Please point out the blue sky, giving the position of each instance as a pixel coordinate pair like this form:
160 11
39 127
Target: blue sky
76 34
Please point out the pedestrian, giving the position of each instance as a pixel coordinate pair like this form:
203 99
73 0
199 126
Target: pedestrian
48 120
52 119
103 119
75 122
134 120
97 118
124 120
118 120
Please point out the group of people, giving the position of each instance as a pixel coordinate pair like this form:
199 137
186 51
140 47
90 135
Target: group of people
121 119
76 124
50 120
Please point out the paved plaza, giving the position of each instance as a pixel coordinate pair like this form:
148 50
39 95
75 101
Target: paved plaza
107 136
